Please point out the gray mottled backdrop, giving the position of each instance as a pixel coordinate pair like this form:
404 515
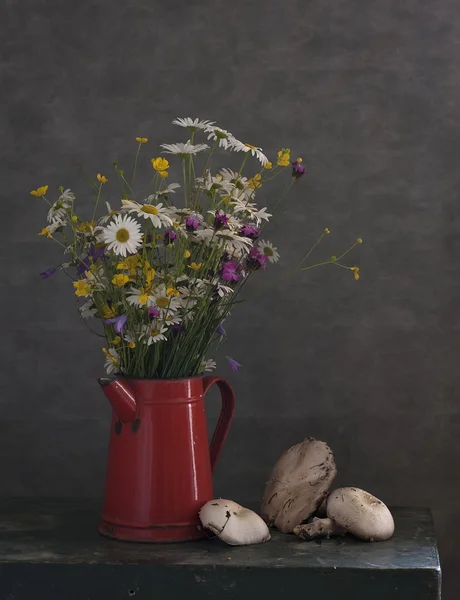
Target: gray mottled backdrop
369 93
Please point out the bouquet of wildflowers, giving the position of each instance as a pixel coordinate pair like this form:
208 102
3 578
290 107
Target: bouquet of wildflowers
162 278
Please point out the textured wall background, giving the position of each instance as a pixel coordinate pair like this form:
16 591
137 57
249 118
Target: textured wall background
369 93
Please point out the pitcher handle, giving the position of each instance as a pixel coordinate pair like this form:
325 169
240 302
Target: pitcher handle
225 417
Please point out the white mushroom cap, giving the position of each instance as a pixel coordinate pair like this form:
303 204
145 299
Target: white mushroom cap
233 524
360 513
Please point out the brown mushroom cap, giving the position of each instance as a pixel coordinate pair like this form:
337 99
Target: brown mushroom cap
360 513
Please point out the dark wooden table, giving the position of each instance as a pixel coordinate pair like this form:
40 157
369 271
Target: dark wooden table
50 549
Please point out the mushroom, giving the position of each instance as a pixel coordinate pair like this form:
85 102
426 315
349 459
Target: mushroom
233 524
299 482
354 511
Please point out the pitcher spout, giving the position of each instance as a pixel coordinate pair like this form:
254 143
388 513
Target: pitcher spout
120 397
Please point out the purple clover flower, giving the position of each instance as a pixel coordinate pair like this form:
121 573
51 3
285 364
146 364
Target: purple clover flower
220 329
230 271
191 223
117 322
169 237
153 312
250 231
220 219
233 364
256 259
298 169
48 273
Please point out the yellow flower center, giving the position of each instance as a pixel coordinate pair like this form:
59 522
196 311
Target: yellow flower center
162 302
250 146
116 340
143 298
154 331
268 251
122 235
150 210
132 345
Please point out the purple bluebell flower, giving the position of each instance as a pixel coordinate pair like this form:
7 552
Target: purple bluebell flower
220 329
220 219
83 265
298 169
256 259
250 231
117 322
48 273
233 364
169 237
191 223
230 271
96 252
153 312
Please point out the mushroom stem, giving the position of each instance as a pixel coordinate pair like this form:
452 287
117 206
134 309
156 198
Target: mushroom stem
318 528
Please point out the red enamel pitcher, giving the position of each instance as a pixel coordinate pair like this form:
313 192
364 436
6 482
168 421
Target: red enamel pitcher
159 470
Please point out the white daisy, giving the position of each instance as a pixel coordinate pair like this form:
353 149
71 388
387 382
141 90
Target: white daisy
168 190
157 214
54 225
139 297
223 290
110 213
166 304
192 124
209 183
58 211
240 147
250 210
233 177
270 250
123 235
88 310
172 320
112 360
224 137
156 333
208 365
183 150
235 244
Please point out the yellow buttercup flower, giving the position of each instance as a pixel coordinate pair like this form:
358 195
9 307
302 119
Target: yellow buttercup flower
255 182
111 357
359 241
102 178
355 272
142 140
195 266
187 254
164 174
108 312
160 164
172 292
326 230
46 231
299 159
41 191
120 280
284 157
74 218
130 263
132 345
116 340
81 288
268 165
